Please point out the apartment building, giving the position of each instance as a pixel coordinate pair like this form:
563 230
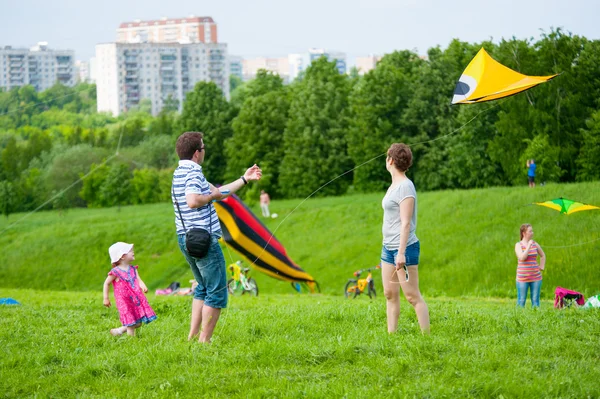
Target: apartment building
365 64
130 72
40 67
236 66
280 66
299 62
169 30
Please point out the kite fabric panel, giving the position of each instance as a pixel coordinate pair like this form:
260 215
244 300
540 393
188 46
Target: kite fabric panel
566 206
485 79
247 235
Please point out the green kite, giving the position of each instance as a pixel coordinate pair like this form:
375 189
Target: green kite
566 206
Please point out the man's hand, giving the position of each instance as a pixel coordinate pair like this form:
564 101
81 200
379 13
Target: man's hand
216 194
253 173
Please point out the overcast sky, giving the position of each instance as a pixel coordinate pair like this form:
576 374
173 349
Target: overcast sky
275 28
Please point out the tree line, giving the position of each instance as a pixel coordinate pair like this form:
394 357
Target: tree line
310 132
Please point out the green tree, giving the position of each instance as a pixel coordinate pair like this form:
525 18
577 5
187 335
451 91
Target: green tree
234 82
33 188
378 103
92 183
206 110
66 167
466 163
546 158
163 124
116 188
170 105
589 156
8 198
144 186
130 132
315 136
258 132
10 160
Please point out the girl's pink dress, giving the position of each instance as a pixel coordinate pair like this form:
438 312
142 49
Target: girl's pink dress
131 302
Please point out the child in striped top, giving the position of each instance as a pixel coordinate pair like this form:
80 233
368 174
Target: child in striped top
529 272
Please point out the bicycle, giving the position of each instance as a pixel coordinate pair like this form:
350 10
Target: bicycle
240 282
356 286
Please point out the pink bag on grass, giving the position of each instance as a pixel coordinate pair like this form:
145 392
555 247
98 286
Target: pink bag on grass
565 298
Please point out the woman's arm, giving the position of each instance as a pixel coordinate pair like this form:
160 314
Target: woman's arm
522 254
108 280
407 207
542 257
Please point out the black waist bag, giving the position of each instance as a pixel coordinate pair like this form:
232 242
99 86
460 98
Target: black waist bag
197 242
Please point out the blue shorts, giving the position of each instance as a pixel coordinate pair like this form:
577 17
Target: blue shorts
209 272
412 254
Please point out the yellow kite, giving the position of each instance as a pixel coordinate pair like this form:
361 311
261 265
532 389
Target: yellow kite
486 79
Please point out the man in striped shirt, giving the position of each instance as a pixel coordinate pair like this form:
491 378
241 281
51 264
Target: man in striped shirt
194 196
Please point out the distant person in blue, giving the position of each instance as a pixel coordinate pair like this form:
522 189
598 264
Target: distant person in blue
531 172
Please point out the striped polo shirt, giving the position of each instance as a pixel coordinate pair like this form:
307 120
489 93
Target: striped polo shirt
528 270
189 179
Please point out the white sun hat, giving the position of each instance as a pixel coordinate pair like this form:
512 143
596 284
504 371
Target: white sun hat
117 250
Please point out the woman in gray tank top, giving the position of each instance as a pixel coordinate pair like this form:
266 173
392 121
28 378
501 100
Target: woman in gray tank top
401 247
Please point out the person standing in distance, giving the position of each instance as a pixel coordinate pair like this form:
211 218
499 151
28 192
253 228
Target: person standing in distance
531 166
194 195
401 247
265 200
529 271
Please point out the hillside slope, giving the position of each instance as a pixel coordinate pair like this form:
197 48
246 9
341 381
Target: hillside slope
467 239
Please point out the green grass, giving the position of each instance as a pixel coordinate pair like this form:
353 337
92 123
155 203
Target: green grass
57 344
467 240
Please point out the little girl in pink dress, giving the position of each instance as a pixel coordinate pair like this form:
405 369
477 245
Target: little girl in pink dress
129 290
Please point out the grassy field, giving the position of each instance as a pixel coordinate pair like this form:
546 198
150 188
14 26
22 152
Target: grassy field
57 344
283 344
467 240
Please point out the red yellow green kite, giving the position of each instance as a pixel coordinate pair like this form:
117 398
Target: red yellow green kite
248 236
566 206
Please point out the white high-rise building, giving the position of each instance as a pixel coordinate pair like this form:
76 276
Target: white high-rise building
280 66
365 64
39 66
190 29
83 71
129 72
236 66
299 62
93 70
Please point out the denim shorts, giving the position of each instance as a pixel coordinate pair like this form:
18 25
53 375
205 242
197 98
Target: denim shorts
412 254
209 272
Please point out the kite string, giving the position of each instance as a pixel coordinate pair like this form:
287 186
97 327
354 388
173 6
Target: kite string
61 192
572 245
362 164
